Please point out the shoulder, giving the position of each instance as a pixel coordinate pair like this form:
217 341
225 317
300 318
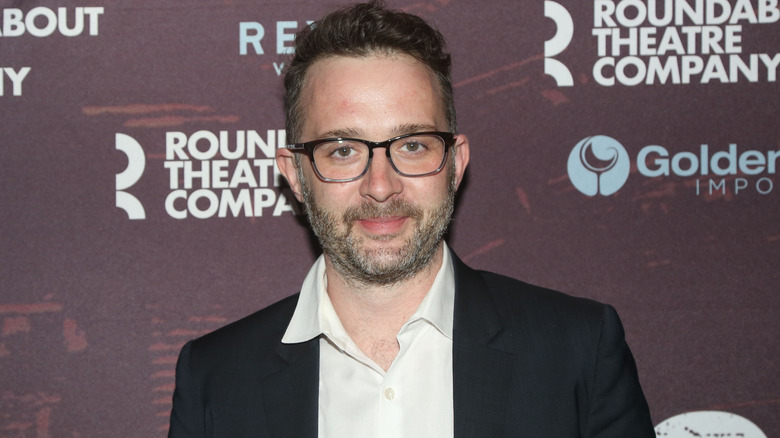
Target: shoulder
486 301
516 300
526 305
516 295
254 334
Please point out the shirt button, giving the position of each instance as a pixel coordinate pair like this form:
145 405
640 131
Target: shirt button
389 393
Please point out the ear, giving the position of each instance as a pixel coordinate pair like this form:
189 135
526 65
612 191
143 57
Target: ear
461 151
285 161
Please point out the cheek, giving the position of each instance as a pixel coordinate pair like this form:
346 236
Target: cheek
429 193
334 196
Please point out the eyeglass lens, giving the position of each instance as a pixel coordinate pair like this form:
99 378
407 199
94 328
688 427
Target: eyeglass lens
348 159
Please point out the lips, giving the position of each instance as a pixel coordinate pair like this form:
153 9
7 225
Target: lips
382 221
383 225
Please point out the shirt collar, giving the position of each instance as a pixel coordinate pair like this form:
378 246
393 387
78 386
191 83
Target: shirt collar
307 321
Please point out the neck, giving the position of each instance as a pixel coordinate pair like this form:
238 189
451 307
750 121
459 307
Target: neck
373 315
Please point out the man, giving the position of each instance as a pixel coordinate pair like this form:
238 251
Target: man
391 334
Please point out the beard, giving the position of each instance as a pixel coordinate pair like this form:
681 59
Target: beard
383 266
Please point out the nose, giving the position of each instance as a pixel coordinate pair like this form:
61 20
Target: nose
381 181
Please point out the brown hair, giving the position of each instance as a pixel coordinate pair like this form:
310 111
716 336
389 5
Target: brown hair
360 30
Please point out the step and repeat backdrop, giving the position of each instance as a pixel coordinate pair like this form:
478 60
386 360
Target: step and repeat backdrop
625 151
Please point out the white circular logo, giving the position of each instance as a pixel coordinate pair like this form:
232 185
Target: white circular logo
598 165
708 423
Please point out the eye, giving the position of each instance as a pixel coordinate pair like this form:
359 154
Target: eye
339 150
343 151
412 146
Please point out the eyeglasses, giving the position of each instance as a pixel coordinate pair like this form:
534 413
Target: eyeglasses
347 159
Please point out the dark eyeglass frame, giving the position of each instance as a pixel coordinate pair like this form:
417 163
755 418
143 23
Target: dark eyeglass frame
448 139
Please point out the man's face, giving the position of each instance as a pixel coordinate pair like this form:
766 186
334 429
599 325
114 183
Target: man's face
383 227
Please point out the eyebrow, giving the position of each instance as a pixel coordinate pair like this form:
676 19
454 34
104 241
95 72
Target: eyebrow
410 128
345 132
406 128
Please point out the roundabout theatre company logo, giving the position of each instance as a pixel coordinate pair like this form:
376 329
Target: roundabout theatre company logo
649 42
600 165
209 175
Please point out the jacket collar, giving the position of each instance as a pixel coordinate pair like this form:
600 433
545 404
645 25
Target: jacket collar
291 395
481 370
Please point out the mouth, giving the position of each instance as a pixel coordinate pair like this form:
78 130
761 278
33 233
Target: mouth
384 225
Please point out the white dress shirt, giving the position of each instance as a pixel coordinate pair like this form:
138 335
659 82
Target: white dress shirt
357 398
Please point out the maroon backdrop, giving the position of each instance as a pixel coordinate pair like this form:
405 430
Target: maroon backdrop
140 207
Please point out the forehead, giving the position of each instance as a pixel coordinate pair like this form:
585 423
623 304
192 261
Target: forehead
369 94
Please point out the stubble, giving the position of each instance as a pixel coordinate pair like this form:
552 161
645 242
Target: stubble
383 266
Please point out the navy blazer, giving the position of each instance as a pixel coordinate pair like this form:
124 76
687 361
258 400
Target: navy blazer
527 362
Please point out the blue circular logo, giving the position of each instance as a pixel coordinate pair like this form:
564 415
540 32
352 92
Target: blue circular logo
598 165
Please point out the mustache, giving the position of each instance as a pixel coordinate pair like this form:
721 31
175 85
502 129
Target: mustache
396 207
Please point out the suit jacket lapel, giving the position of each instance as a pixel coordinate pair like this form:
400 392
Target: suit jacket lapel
481 370
291 395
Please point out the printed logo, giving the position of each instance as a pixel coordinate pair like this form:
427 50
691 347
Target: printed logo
15 77
682 43
136 163
209 175
638 42
598 165
43 22
708 423
252 33
558 43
